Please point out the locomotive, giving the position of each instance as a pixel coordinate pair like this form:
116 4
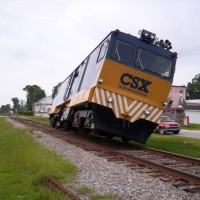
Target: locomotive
119 89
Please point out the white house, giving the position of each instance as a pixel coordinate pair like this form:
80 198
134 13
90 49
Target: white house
42 107
192 110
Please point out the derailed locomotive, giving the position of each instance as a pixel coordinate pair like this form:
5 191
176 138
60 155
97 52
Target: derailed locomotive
120 89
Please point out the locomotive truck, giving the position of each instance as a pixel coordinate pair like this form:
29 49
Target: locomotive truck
119 89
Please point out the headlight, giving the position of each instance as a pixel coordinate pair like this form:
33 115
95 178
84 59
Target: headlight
110 99
165 103
147 112
152 36
147 36
100 80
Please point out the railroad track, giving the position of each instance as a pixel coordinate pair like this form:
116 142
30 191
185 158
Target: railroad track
182 171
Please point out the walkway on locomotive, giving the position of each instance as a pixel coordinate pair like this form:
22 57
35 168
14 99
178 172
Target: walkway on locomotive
136 78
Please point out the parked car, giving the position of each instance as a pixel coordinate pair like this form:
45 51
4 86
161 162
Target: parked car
167 125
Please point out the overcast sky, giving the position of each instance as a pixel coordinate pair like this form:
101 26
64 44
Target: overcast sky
42 41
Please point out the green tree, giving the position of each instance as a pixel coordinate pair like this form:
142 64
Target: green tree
193 88
16 105
34 93
5 108
55 90
23 106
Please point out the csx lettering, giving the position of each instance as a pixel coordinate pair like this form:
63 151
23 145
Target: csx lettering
135 82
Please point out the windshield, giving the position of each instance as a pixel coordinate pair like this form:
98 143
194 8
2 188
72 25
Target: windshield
166 119
122 52
154 63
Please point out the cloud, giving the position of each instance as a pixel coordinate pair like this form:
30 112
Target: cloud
42 41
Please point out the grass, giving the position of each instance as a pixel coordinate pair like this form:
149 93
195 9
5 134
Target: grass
25 166
43 120
175 144
191 127
84 190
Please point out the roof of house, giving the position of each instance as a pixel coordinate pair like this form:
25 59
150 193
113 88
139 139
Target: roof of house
178 86
193 101
192 107
193 104
45 100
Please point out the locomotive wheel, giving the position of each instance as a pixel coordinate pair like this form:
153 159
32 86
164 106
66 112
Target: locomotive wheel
57 125
67 125
81 127
110 136
125 139
52 122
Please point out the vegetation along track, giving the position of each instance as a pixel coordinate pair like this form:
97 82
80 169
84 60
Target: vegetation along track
183 172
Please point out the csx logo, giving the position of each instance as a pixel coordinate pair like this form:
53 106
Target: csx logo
135 82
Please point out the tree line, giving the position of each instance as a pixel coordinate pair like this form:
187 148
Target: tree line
193 88
34 93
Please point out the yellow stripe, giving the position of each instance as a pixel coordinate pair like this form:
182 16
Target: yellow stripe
157 117
103 95
125 106
139 113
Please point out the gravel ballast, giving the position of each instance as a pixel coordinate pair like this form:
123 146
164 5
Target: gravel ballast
107 177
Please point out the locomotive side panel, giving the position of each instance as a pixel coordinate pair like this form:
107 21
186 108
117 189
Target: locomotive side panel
83 77
96 60
58 99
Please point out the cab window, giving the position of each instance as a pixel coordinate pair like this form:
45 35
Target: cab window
153 62
102 51
122 51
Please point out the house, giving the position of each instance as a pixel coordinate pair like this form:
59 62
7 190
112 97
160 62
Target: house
176 101
42 107
192 110
178 107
